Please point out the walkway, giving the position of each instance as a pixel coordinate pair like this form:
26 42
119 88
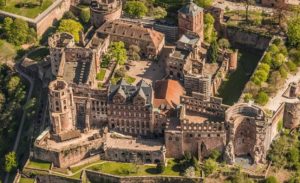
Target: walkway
275 102
20 130
78 171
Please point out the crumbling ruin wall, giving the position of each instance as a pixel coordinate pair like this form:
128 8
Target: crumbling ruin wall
292 115
238 36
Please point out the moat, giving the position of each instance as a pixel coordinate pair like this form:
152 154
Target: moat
232 88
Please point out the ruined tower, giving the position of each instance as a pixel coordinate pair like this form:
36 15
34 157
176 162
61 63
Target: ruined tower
61 107
105 10
57 43
190 18
291 115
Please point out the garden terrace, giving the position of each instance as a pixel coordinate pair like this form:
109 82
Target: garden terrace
29 9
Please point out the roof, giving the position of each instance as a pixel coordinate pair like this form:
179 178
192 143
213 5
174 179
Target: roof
167 93
129 91
191 9
132 30
189 39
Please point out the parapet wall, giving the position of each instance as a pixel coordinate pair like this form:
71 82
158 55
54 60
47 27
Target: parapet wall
102 177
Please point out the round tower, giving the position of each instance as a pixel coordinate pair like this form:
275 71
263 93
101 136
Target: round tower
291 117
61 107
105 10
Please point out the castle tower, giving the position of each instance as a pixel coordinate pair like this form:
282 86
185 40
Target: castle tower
61 107
291 115
190 18
57 43
105 10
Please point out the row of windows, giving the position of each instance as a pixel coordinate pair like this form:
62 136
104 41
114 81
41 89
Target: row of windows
130 123
202 127
130 114
128 107
134 131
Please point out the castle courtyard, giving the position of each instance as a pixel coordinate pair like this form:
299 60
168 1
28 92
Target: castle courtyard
150 71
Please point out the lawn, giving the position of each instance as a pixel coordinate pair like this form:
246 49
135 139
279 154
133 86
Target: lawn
30 9
231 89
7 50
26 180
130 169
39 54
100 76
39 165
127 78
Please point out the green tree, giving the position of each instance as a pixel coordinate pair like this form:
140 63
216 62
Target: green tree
2 100
13 84
224 43
2 2
212 52
70 15
247 4
159 12
267 58
160 168
7 23
18 31
293 31
70 26
292 66
118 52
271 179
215 155
210 33
204 3
210 166
10 162
134 52
85 15
262 98
278 60
135 9
248 97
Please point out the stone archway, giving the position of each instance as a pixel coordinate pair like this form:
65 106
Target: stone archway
245 136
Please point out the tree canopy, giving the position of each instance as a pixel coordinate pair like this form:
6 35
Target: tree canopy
293 31
210 34
204 3
70 26
10 162
118 52
85 15
212 53
135 9
18 32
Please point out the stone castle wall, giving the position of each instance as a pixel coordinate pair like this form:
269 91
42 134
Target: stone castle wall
245 38
102 177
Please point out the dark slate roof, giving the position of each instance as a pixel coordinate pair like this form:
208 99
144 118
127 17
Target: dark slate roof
130 91
191 9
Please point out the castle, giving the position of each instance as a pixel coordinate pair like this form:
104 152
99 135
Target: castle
144 122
